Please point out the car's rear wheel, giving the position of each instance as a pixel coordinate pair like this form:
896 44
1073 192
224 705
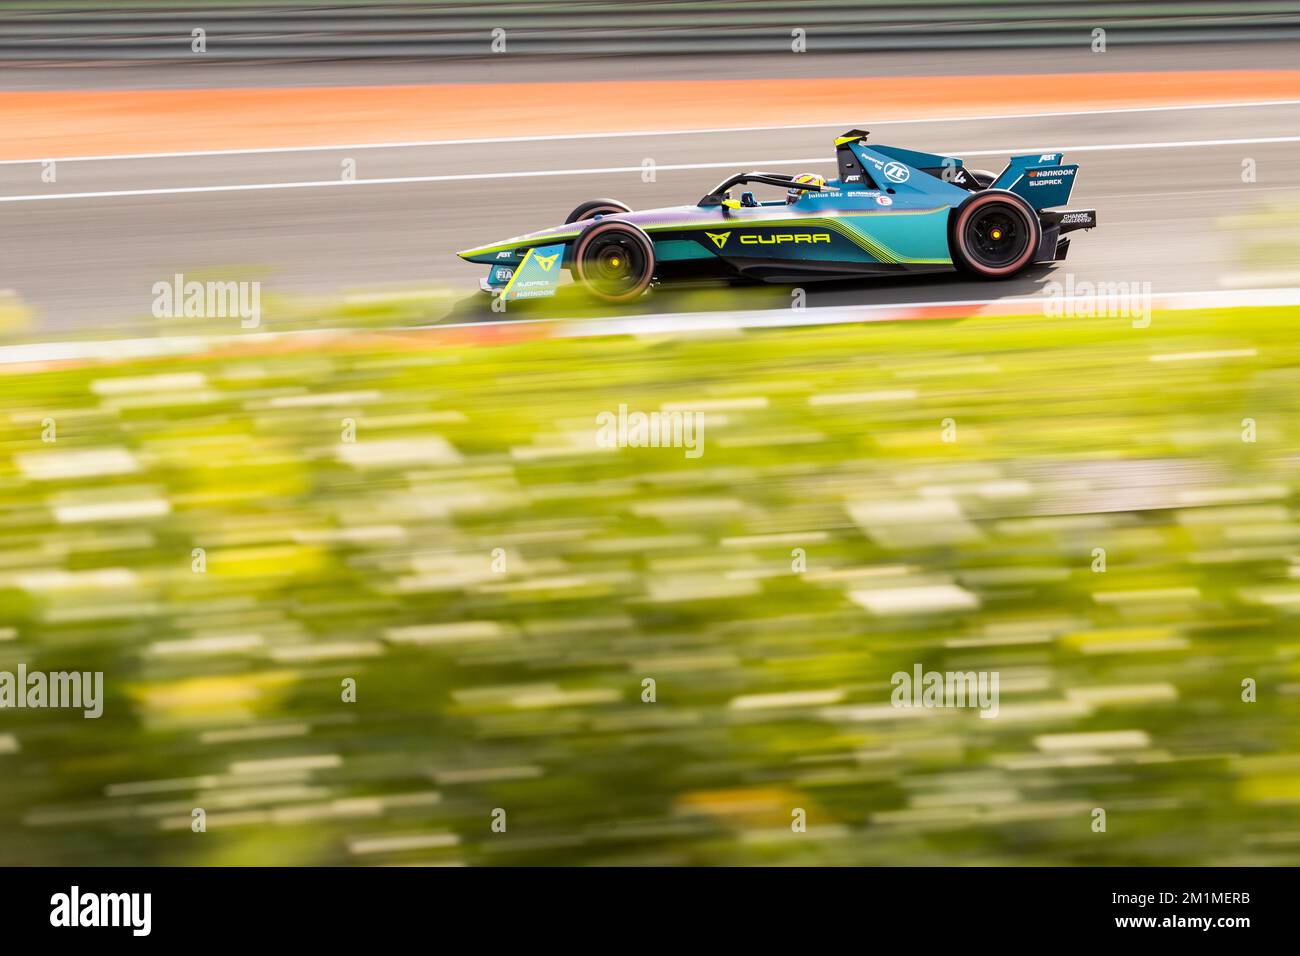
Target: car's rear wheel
597 207
994 234
614 260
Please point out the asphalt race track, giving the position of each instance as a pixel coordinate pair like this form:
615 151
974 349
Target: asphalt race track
88 248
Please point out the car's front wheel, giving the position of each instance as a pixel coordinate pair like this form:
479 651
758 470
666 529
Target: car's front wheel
597 207
994 234
614 260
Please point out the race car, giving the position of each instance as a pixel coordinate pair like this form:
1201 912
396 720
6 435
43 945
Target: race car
889 211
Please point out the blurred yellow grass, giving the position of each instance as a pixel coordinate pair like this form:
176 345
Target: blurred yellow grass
234 538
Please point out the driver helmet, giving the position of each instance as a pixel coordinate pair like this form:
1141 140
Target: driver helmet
792 195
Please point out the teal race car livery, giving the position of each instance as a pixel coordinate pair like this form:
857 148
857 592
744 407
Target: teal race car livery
889 211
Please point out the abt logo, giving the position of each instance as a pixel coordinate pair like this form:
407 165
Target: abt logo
133 910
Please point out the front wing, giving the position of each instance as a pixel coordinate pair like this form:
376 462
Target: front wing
536 277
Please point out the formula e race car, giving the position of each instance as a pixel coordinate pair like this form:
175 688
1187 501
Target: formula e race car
889 211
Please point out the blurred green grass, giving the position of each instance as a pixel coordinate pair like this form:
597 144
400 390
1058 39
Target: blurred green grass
480 688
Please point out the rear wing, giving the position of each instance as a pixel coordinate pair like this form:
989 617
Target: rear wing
1040 178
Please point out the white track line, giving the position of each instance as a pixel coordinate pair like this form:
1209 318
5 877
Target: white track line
528 174
1106 147
560 137
454 177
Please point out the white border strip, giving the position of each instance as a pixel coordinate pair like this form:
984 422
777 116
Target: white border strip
851 314
118 349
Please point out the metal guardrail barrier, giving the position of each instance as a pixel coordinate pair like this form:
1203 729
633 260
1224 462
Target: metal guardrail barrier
57 31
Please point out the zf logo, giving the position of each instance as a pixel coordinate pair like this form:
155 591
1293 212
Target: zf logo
896 172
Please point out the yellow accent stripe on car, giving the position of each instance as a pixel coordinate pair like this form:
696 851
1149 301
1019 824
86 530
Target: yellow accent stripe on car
713 223
518 269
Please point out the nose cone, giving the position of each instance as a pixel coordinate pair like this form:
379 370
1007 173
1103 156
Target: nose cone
481 253
519 244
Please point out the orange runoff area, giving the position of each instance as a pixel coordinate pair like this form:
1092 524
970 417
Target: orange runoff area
40 125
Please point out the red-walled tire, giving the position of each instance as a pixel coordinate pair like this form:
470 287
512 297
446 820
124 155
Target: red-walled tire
994 234
597 207
614 260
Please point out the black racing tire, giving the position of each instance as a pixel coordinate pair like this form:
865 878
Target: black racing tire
983 177
994 234
597 207
614 260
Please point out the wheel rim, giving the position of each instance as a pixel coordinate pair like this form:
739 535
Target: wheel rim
614 264
997 236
